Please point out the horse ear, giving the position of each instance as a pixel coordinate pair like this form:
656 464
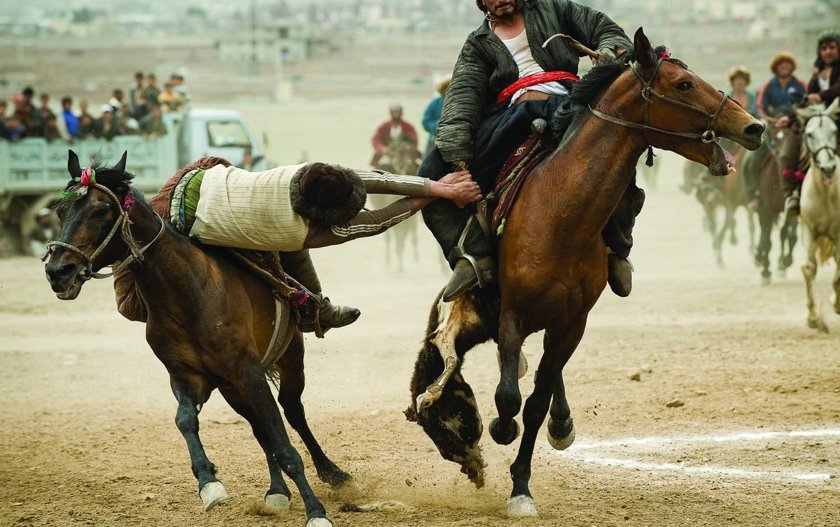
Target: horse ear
120 166
834 108
642 49
802 115
73 164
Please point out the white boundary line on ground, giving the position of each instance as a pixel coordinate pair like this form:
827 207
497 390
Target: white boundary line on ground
603 453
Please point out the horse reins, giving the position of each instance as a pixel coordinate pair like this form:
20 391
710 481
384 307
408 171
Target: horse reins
709 136
123 226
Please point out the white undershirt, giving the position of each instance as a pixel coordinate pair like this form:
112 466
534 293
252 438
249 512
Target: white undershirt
521 51
824 85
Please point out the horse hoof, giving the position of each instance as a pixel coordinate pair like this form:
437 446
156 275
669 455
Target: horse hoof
278 502
560 442
212 494
522 507
319 522
765 280
425 400
504 435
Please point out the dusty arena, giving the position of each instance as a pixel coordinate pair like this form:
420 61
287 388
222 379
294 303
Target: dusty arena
733 419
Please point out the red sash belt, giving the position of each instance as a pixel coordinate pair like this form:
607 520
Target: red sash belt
533 80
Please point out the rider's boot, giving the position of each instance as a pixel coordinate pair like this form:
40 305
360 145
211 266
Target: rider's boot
299 265
618 236
792 204
469 272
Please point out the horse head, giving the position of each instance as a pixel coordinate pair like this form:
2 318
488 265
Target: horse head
677 110
820 132
91 212
403 155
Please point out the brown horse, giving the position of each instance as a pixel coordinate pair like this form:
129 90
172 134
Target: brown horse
209 322
766 163
552 258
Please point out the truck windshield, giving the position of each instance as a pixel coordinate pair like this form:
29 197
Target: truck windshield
227 133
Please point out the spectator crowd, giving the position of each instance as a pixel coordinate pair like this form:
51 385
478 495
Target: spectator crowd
138 114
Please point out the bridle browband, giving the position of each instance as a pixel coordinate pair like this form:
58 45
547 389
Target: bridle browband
709 136
123 226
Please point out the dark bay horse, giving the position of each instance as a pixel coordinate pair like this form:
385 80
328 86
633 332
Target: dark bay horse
209 322
766 163
552 258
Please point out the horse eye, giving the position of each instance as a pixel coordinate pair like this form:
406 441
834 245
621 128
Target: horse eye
101 210
684 86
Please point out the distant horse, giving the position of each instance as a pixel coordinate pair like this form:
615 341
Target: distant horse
552 257
210 322
820 203
400 158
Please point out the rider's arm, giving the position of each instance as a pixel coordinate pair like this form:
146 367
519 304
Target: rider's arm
365 223
463 106
380 182
593 28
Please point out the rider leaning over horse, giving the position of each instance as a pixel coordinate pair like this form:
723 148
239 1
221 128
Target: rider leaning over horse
503 80
823 88
289 209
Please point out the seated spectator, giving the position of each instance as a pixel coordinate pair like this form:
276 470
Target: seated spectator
128 124
170 100
107 127
71 122
27 114
50 130
15 129
87 126
45 107
117 101
152 124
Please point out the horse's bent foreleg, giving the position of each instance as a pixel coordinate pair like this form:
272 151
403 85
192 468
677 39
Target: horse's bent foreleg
191 394
290 369
558 348
504 429
278 495
254 388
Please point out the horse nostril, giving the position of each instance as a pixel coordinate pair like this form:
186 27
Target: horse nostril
59 272
754 130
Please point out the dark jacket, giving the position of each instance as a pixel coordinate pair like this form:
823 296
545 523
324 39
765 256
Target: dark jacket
485 66
833 90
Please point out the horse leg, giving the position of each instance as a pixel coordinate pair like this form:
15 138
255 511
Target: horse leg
400 235
762 255
751 225
788 241
730 224
278 495
388 250
414 228
192 392
290 369
809 271
717 240
504 429
836 283
253 387
558 347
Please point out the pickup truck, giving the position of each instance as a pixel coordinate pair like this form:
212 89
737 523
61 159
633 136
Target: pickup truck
32 170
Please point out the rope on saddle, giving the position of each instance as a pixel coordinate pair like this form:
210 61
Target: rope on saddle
512 176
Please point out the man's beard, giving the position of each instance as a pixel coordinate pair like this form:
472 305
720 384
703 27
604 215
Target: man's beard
508 14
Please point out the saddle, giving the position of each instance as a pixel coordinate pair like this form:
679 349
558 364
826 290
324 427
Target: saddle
512 177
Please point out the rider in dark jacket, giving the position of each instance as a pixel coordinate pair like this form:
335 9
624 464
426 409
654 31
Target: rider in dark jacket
478 130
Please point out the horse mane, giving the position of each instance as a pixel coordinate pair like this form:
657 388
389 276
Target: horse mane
591 86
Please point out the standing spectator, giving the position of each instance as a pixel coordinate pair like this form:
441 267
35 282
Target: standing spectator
177 81
136 97
152 92
170 100
152 124
107 127
45 107
51 131
83 109
431 116
27 114
71 122
778 95
117 101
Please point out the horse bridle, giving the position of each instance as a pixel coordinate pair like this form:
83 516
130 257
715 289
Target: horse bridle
121 225
709 136
832 151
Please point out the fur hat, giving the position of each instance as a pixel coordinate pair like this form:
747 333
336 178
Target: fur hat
739 71
779 58
327 194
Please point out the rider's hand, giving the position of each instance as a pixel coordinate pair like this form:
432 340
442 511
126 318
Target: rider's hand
814 98
464 193
456 177
783 121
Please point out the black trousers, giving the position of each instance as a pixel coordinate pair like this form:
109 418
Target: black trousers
496 140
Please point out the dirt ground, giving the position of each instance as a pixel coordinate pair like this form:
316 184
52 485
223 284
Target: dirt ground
88 438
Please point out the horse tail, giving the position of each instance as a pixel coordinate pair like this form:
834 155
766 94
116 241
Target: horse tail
825 249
